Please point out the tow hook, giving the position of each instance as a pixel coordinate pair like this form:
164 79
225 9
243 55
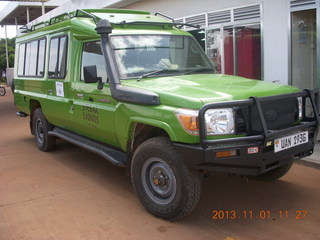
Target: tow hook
206 174
232 175
245 179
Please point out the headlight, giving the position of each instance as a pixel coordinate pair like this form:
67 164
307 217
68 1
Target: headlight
219 121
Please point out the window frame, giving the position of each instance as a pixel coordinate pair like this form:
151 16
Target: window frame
81 60
66 56
37 55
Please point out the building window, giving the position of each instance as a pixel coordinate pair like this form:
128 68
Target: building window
58 57
235 50
232 40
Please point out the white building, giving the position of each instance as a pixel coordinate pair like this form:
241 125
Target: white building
271 40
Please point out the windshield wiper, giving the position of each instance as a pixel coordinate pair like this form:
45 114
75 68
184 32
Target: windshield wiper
199 70
155 72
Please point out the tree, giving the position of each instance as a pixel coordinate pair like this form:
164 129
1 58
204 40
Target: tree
11 50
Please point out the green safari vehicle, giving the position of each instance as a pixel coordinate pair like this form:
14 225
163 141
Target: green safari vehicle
140 92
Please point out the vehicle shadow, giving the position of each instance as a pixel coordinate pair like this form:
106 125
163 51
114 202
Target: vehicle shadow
219 192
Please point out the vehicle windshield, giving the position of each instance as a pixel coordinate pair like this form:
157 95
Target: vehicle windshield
138 55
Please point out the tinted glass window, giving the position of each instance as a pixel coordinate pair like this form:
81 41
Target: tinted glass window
92 56
53 56
41 56
58 57
21 59
32 58
27 61
62 57
32 54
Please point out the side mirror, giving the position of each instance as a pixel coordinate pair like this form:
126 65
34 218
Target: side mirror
90 74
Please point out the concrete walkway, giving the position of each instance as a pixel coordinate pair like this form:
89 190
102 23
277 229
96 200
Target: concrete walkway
315 157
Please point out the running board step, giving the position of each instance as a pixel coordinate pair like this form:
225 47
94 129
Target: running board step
115 157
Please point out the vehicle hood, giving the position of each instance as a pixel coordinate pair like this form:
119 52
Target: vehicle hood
193 91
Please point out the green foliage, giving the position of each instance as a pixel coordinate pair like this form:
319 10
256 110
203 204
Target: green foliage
11 50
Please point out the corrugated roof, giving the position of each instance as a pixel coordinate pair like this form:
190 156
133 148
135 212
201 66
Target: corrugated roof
18 10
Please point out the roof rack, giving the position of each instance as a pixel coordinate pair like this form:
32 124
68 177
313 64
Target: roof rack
82 13
86 14
165 16
38 26
60 18
177 24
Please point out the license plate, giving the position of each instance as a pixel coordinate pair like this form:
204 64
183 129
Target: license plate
290 141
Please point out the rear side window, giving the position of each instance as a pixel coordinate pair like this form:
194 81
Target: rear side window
32 58
21 59
58 57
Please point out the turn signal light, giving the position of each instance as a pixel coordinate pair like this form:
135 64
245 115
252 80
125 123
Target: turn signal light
225 154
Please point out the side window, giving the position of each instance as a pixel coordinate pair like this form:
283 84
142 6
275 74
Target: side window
21 59
58 57
32 58
92 55
41 57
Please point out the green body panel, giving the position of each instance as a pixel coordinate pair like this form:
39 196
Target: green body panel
94 113
194 90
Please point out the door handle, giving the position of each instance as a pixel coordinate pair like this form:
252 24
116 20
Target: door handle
71 109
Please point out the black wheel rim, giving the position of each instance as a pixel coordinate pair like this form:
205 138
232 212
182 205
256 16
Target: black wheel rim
39 131
158 180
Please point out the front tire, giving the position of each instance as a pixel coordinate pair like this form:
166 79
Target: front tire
41 127
164 184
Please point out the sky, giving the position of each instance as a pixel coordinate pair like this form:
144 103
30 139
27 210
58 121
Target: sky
11 30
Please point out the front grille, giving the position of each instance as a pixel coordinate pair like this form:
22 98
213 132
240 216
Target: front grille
279 117
278 114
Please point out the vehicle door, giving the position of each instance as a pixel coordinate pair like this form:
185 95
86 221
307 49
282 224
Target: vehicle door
56 106
92 109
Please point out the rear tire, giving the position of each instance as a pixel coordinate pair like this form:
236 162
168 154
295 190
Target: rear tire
275 174
164 184
41 127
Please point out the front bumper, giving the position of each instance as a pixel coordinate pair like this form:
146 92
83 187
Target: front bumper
244 163
204 157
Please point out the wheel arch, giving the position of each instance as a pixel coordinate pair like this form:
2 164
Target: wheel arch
139 130
33 105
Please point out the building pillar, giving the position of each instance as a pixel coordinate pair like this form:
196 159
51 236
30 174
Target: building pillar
6 39
43 10
16 23
28 15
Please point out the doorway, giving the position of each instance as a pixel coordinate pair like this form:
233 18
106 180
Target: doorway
303 49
